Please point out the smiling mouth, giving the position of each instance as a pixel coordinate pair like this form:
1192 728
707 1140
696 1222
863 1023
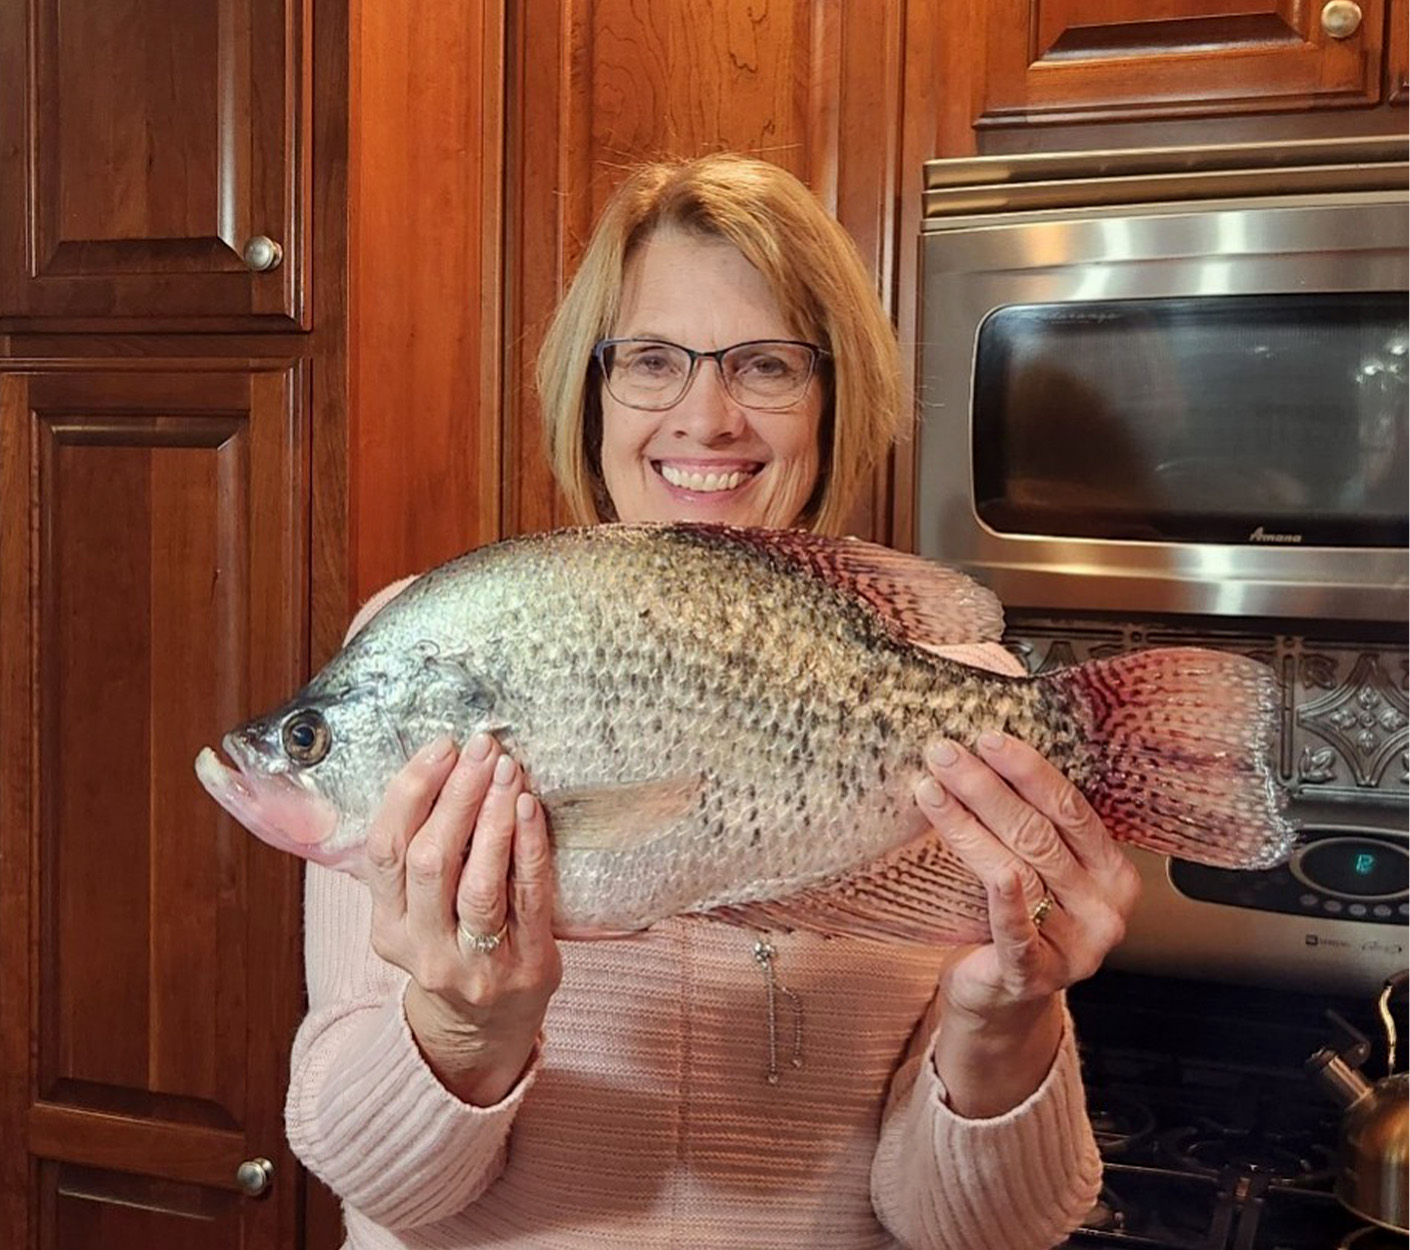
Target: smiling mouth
708 483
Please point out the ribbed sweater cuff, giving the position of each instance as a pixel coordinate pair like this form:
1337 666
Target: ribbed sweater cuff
388 1137
1022 1178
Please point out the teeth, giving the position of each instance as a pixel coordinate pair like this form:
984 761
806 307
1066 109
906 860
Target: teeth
703 482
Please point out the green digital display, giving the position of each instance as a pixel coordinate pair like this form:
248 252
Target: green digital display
1358 868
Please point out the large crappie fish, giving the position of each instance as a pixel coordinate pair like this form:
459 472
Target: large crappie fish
732 721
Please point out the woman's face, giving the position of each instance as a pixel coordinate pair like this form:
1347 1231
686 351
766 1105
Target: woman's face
708 458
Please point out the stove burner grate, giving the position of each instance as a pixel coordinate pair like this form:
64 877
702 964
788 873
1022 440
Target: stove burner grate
1121 1123
1373 1238
1217 1150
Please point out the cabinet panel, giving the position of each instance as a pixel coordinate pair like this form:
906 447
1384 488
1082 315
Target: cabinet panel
810 85
131 194
1065 60
152 594
1397 85
426 284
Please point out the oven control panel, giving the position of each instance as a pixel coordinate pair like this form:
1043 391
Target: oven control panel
1350 874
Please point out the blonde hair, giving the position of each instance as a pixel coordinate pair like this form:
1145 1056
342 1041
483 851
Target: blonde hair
816 275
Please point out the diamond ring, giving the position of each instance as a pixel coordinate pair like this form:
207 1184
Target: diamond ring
1040 912
481 943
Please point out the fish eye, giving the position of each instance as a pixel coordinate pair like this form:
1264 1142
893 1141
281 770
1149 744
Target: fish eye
306 737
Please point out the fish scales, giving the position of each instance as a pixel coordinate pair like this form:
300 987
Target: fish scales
717 719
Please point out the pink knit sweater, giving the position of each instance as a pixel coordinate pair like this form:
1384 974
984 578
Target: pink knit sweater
646 1119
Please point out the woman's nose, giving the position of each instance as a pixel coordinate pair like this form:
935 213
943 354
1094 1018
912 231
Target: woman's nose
706 412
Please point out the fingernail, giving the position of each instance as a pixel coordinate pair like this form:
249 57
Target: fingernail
930 793
991 740
525 806
941 754
478 748
437 749
503 770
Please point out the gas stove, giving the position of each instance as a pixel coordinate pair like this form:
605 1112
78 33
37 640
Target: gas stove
1212 1135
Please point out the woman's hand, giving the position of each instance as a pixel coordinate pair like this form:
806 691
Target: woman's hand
1029 835
476 1013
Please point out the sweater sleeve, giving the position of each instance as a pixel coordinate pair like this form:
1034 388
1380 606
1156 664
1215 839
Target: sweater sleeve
364 1111
1017 1181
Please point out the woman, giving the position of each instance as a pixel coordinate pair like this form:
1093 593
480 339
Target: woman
463 1079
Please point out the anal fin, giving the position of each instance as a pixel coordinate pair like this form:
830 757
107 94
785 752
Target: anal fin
921 893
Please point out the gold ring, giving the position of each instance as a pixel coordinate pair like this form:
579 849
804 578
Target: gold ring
481 943
1040 912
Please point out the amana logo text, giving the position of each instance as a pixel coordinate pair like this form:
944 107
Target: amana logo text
1261 535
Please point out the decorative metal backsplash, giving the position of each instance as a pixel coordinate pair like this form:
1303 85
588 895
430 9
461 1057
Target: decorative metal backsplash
1344 723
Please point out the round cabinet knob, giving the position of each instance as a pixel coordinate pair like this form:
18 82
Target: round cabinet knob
254 1176
263 253
1341 18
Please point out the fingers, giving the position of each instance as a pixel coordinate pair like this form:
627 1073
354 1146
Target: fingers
988 825
1040 785
1011 917
531 880
436 853
403 810
1085 868
1013 818
481 902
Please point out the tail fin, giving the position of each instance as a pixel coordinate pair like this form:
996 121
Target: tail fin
1182 742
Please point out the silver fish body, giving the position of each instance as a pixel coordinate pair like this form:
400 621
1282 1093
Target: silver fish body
725 720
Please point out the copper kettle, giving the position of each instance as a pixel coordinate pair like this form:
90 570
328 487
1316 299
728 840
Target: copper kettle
1373 1180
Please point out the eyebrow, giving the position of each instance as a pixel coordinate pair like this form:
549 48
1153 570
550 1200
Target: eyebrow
657 337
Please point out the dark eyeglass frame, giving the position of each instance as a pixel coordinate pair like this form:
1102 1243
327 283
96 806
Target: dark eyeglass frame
816 355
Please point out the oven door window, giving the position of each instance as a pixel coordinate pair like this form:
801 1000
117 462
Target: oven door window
1278 419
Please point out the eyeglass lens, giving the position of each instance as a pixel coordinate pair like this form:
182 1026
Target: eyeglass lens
758 375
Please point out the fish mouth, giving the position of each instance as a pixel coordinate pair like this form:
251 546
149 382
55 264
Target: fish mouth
273 808
706 479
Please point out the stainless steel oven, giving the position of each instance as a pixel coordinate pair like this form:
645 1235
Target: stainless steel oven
1163 400
1171 381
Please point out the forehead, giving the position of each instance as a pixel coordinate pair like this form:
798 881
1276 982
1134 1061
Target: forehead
697 290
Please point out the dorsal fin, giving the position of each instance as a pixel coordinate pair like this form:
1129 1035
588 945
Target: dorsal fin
920 601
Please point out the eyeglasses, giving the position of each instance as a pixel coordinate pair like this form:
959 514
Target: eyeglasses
766 374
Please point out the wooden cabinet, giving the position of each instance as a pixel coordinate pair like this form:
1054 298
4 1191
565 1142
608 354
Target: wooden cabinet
1397 79
1083 60
152 582
157 396
144 146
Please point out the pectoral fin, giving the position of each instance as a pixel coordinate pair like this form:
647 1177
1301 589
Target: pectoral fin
623 817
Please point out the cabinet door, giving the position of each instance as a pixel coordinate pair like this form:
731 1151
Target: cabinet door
1100 60
144 145
153 564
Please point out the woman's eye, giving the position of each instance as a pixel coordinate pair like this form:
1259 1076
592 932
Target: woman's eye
769 366
763 366
649 364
